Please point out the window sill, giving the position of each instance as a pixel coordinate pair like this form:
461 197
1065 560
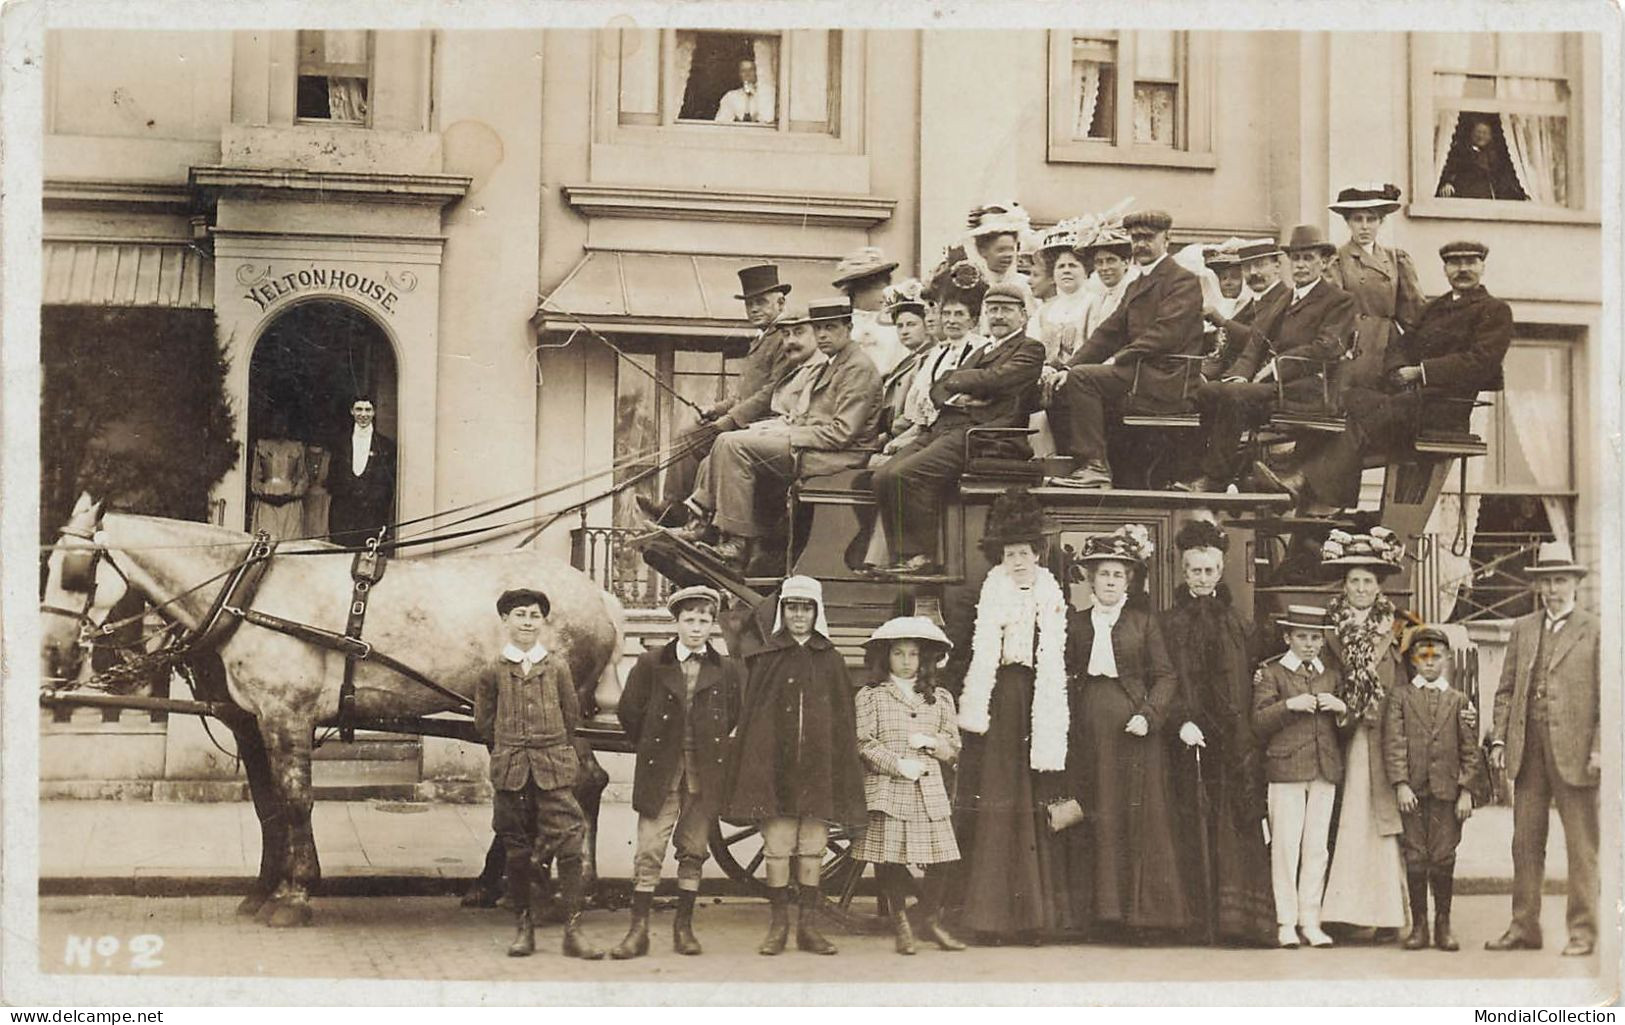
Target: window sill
1129 156
737 137
1499 210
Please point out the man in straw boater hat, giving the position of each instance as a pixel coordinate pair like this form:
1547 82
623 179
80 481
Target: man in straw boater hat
763 365
1160 315
1382 279
1261 306
1317 324
1548 738
994 387
863 276
1431 376
1295 710
839 417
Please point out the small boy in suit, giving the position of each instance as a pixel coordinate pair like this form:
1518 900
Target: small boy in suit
1295 710
680 703
1431 742
525 709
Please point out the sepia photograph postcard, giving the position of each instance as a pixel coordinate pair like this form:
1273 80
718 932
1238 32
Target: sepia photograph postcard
814 503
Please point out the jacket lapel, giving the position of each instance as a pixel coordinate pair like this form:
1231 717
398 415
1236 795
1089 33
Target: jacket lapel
1566 639
1380 262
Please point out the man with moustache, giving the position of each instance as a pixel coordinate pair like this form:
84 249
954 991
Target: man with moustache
1317 323
1242 331
995 387
1433 373
759 372
1160 316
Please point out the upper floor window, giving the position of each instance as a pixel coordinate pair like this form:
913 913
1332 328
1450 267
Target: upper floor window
1137 97
335 74
1502 118
762 81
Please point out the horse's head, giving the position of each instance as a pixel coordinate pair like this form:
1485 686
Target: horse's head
81 587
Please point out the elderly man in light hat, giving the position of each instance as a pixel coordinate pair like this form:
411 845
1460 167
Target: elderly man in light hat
994 387
1548 738
1432 375
863 276
763 366
1160 316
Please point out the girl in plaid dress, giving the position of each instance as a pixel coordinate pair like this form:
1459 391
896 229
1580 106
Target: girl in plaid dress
906 731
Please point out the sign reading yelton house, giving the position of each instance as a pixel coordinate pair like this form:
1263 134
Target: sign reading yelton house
265 290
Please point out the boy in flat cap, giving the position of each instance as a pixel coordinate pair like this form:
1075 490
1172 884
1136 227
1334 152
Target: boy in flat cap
525 709
1431 750
680 703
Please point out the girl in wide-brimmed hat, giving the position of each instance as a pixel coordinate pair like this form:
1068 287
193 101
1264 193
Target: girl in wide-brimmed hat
907 733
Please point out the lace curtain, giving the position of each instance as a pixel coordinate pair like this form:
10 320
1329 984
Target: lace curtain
1154 114
1445 119
766 54
1536 143
346 97
1086 87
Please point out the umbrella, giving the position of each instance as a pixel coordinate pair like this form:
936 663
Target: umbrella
1210 898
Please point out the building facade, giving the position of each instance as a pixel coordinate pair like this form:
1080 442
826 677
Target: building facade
522 244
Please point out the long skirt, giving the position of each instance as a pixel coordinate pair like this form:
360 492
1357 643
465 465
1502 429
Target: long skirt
1231 896
1014 876
1127 835
1366 885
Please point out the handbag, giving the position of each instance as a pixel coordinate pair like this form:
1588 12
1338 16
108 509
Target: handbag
1063 814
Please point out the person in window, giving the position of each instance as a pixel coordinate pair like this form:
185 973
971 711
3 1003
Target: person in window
747 104
1435 372
1480 168
1382 279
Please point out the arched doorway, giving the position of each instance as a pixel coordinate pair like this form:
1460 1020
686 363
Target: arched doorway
307 367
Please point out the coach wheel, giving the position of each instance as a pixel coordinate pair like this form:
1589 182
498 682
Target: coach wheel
738 851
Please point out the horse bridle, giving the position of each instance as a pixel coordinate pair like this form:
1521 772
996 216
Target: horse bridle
88 627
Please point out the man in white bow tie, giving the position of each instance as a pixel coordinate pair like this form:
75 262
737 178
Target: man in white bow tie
361 479
748 104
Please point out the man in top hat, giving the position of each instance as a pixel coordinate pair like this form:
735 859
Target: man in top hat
828 435
1316 324
1548 738
1258 311
1432 374
763 366
1160 315
995 387
863 276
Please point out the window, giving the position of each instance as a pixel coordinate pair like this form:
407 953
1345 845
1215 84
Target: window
1130 97
748 81
1503 112
335 72
1529 427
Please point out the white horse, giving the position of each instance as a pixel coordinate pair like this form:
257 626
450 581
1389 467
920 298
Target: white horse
436 615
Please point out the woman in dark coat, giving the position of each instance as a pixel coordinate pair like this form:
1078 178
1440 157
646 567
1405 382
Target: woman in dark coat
1227 870
1123 691
1013 718
796 767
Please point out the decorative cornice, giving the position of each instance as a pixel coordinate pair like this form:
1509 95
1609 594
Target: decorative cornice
363 186
827 210
93 193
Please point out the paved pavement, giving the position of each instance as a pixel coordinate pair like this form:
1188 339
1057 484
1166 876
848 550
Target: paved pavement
151 847
432 938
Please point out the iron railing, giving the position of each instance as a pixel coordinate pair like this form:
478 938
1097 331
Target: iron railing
1497 586
604 555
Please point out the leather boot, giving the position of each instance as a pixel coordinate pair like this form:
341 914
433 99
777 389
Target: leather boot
808 937
895 882
930 908
519 895
524 937
778 927
682 930
904 931
1444 885
636 943
1418 884
571 893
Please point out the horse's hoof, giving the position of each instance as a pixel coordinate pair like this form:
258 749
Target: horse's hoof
251 904
290 915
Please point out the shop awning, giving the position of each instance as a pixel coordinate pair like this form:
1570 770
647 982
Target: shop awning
84 273
666 293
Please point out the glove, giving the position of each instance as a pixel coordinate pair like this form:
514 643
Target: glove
910 768
1191 735
922 741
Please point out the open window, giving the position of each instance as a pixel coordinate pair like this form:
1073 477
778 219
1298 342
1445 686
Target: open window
335 76
1141 97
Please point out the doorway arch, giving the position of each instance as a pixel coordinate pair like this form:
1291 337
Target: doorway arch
308 364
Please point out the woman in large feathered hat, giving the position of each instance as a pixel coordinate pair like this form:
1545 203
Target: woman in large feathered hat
1014 717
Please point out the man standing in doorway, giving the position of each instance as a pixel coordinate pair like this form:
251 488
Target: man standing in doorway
1548 739
361 479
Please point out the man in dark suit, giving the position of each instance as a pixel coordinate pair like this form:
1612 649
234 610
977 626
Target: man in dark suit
1261 271
1435 372
1548 738
1316 322
996 387
361 479
1160 316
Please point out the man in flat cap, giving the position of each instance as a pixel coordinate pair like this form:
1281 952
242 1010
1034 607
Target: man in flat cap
1432 374
1160 316
759 372
995 387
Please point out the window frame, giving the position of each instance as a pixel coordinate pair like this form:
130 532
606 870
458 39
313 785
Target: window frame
371 78
1492 478
1425 63
846 121
1194 125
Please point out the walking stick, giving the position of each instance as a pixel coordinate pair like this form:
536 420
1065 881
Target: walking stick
1210 898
